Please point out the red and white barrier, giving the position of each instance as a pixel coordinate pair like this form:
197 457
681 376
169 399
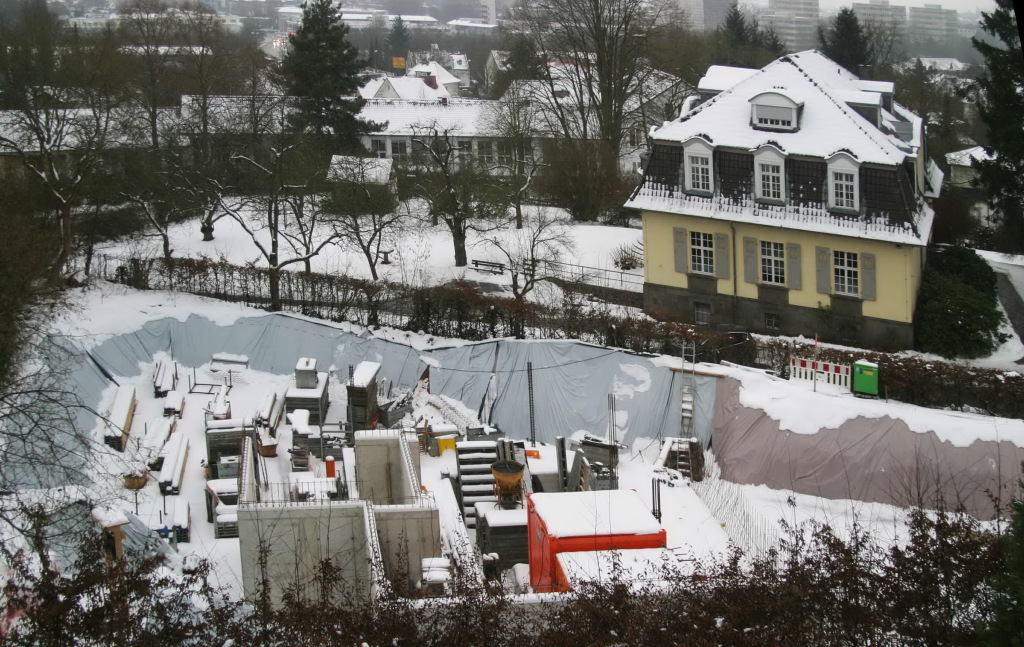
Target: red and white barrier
817 371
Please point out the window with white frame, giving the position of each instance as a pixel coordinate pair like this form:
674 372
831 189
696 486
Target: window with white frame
399 150
774 111
770 181
378 148
700 172
701 313
773 263
702 253
846 272
485 152
844 190
465 150
843 181
506 153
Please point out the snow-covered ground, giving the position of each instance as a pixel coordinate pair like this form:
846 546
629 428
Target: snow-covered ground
422 254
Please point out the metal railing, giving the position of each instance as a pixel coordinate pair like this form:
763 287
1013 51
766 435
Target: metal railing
656 196
380 587
450 413
596 276
741 521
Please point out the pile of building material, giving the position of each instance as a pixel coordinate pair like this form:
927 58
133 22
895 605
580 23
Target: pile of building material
362 395
119 419
222 506
165 378
151 448
172 470
174 404
223 444
309 392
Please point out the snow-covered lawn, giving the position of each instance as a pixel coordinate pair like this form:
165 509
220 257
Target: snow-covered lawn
422 254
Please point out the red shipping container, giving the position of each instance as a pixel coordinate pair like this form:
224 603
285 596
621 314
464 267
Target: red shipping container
564 522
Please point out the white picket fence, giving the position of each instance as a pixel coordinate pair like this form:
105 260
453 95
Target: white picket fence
812 370
746 527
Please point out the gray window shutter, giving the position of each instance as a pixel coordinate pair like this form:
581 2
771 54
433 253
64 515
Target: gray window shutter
722 256
867 277
823 268
794 276
679 248
749 259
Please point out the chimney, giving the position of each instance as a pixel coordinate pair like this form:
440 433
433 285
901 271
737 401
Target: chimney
431 81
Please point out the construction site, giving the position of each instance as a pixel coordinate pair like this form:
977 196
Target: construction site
296 453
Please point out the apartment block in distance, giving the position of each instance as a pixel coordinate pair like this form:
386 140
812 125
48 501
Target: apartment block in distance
795 22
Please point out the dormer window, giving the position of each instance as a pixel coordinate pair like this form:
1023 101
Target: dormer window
843 183
769 174
774 111
698 167
700 172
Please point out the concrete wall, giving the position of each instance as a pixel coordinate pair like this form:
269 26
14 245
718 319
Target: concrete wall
298 538
379 467
407 535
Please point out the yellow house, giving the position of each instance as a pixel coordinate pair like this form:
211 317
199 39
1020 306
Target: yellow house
789 200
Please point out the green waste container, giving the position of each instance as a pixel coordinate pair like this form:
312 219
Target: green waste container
865 378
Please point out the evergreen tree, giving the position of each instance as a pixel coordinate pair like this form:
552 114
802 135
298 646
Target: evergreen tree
1006 627
735 28
845 41
772 43
1000 103
321 71
398 38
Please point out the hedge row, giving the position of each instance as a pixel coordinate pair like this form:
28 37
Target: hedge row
460 310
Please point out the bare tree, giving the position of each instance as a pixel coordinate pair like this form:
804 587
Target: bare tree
242 124
885 42
150 30
544 238
364 207
596 52
63 93
516 119
264 215
459 192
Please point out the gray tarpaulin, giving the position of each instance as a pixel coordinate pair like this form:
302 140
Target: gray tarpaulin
571 379
865 459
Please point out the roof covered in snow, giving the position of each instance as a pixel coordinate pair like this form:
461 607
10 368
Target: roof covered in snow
723 77
401 87
827 124
967 156
468 117
435 69
584 514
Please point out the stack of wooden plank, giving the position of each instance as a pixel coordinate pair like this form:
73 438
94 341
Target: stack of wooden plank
173 470
122 412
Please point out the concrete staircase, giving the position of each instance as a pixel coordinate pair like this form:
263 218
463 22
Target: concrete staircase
476 482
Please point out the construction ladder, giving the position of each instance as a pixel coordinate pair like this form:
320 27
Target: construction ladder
684 462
